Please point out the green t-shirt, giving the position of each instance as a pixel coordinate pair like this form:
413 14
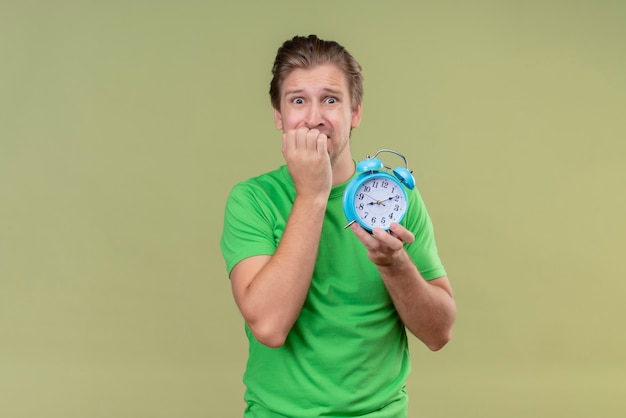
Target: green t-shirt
347 353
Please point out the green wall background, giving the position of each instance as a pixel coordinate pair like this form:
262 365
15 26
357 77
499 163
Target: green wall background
123 125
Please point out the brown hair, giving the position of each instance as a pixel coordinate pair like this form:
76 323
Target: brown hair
307 52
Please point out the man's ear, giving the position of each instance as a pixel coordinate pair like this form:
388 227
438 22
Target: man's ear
278 119
356 116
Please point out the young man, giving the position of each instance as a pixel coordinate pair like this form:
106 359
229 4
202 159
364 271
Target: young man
326 308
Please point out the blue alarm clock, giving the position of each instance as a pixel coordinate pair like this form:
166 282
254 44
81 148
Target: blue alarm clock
375 198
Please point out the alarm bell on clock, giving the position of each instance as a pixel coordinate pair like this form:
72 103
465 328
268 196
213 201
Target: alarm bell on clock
375 198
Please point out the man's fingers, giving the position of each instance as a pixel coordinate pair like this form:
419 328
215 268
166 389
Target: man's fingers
303 139
316 140
402 233
322 144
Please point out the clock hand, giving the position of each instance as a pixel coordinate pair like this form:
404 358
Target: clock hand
376 201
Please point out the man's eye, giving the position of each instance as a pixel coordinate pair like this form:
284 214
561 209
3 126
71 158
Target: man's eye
298 100
331 100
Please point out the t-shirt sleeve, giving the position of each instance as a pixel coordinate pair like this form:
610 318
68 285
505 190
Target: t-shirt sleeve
247 227
424 250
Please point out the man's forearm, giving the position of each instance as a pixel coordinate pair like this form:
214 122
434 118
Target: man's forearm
427 308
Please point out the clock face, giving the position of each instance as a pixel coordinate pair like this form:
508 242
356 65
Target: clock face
379 201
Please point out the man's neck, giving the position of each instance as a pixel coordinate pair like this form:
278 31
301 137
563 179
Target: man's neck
343 169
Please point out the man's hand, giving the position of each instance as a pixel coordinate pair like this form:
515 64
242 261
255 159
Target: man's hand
383 247
306 153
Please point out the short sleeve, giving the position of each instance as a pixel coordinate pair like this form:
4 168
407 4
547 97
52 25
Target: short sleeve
423 250
247 228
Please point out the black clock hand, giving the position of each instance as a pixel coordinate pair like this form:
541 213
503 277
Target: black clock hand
375 201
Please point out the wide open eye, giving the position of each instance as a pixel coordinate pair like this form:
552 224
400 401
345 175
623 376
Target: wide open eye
331 100
297 100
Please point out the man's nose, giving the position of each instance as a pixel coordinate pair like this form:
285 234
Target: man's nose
314 116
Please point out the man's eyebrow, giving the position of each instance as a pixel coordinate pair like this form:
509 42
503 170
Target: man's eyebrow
327 90
295 91
333 91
